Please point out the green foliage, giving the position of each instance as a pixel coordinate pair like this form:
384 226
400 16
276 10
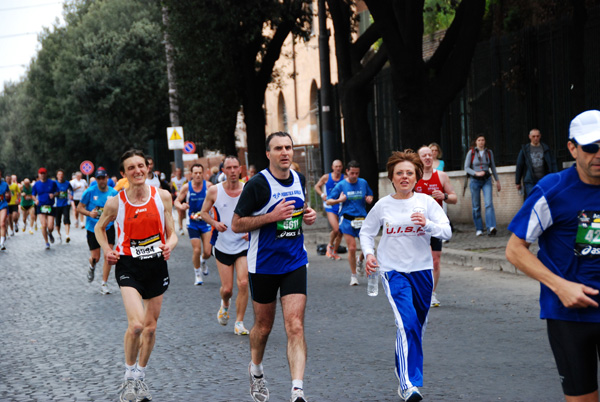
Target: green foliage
438 15
97 87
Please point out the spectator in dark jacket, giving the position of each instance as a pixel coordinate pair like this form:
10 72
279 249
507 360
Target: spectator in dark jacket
534 162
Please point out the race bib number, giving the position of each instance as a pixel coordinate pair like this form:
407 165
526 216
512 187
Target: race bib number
291 227
46 209
62 195
357 223
146 248
587 241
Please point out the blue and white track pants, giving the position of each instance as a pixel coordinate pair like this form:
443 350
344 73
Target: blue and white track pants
410 297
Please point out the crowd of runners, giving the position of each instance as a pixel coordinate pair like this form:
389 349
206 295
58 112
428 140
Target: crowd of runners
253 228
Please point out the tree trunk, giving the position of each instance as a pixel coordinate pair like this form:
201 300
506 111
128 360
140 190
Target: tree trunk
254 117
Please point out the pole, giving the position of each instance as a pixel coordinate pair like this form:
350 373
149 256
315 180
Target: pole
328 145
172 79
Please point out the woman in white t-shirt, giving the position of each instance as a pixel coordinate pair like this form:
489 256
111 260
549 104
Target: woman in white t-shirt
409 220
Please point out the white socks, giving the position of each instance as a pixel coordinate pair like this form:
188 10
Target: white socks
256 369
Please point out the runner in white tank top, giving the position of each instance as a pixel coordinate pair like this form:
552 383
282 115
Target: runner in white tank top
230 248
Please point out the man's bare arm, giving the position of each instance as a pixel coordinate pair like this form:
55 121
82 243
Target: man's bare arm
283 210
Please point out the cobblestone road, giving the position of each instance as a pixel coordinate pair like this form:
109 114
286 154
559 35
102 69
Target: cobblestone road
63 341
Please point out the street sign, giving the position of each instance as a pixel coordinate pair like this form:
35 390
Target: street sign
189 147
86 167
175 137
190 157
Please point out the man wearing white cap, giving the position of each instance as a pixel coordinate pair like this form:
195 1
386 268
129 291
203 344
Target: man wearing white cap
563 214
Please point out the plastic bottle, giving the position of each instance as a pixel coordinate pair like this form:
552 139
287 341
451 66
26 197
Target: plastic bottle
373 283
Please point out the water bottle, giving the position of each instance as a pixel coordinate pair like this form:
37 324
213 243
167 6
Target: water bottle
373 283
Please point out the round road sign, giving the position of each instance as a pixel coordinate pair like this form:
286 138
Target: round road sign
189 147
86 167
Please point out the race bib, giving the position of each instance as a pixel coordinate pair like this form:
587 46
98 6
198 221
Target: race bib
62 195
46 209
587 241
196 216
99 210
146 248
357 223
291 227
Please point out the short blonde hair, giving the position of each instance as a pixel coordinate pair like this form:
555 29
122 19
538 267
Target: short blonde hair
440 152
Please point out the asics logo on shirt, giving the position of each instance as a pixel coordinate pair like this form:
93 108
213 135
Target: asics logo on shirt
137 211
590 250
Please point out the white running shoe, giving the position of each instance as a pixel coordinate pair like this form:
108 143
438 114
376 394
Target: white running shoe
411 394
297 395
222 316
59 239
181 232
239 328
479 233
258 387
127 391
142 391
198 281
360 266
204 267
353 281
434 301
104 289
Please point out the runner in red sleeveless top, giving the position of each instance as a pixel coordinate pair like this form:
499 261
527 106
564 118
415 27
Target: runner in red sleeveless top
437 184
145 238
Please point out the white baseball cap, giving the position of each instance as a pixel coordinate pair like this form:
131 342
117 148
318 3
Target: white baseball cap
585 128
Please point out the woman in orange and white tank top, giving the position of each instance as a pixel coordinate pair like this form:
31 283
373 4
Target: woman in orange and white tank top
145 238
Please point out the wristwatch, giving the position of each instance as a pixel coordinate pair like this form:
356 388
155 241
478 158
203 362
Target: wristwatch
445 196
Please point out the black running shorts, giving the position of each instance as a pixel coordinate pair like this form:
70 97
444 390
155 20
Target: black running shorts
64 213
436 244
576 348
228 259
263 287
93 243
149 277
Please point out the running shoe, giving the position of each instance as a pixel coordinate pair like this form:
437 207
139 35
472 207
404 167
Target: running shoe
91 269
204 267
335 256
360 266
258 387
479 233
12 232
30 231
127 391
24 229
297 395
59 239
104 289
492 232
181 232
353 281
198 281
329 252
222 316
2 247
434 301
51 237
47 246
239 328
68 239
143 393
411 394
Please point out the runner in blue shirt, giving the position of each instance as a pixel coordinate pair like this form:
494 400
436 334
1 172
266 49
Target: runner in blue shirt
354 194
62 207
44 191
563 214
92 205
323 188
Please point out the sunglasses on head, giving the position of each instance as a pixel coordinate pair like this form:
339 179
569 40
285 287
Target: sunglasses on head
589 148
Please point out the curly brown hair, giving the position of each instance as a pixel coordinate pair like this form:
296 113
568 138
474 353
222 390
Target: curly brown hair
408 155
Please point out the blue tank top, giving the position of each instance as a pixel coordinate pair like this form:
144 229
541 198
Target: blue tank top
278 247
195 201
329 185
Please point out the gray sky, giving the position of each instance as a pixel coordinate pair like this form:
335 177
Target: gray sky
20 22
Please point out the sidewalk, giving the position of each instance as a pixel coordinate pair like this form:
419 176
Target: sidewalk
464 249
